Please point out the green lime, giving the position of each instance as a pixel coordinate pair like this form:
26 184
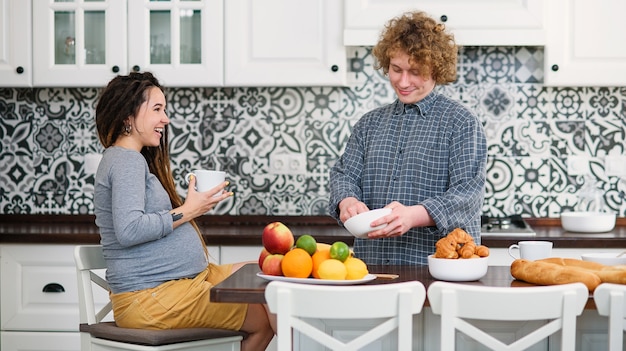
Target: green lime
307 243
339 251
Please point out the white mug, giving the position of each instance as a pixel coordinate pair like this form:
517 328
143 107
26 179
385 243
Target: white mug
206 180
532 250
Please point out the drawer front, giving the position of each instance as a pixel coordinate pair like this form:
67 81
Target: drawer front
39 289
39 341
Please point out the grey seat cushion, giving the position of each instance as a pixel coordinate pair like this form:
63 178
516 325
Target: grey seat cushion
109 331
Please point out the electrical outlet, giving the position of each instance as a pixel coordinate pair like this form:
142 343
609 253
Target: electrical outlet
577 165
287 164
91 163
615 166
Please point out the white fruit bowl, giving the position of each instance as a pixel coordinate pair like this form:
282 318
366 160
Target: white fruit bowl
360 224
605 258
588 222
458 269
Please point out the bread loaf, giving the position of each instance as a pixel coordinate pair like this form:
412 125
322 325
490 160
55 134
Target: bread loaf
572 262
614 276
546 273
607 274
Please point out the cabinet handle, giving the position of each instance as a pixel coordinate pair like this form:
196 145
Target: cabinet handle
53 288
136 68
19 70
555 68
444 18
334 68
115 69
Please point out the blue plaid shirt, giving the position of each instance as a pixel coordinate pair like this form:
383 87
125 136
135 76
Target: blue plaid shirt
431 153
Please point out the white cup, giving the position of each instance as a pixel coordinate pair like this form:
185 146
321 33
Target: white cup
206 180
531 250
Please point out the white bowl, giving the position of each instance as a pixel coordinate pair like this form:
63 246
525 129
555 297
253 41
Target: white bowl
458 269
605 258
588 222
359 225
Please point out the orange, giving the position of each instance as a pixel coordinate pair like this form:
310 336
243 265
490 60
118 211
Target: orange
332 269
297 263
356 268
318 257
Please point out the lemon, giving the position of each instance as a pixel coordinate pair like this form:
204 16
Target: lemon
332 269
339 251
307 243
318 257
356 269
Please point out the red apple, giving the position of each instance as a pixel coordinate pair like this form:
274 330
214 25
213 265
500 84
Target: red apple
271 264
264 253
277 238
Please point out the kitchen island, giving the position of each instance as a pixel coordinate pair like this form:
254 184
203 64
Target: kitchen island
245 286
37 250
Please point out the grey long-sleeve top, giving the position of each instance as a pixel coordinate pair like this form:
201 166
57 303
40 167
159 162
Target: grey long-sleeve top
141 248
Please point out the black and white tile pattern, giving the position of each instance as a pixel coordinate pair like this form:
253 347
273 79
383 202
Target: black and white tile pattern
545 144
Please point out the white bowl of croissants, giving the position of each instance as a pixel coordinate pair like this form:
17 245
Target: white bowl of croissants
458 258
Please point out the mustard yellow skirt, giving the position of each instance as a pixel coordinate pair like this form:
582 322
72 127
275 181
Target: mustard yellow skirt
183 303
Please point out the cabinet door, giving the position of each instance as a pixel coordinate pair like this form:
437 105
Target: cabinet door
78 43
284 43
15 43
39 341
39 288
585 43
181 42
477 22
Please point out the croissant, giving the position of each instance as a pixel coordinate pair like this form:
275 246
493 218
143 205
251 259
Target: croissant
467 250
482 251
460 236
446 248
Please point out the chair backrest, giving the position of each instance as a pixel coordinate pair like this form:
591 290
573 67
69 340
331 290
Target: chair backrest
609 299
395 303
559 304
88 259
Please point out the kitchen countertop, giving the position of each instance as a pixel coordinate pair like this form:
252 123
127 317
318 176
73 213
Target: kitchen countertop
245 286
247 230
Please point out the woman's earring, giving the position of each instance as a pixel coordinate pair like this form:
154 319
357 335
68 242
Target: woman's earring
127 129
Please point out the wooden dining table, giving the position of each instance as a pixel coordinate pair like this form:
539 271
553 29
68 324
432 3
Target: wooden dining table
244 286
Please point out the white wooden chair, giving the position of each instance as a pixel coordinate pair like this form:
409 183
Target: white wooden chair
100 335
558 304
394 304
609 299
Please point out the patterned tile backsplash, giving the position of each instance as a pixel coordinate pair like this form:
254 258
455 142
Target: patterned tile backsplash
550 149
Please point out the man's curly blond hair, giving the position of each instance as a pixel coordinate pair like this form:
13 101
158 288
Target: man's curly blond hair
427 43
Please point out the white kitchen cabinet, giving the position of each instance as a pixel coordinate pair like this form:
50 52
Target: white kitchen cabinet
284 43
15 43
78 43
180 41
234 254
476 22
40 341
585 43
88 43
39 298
